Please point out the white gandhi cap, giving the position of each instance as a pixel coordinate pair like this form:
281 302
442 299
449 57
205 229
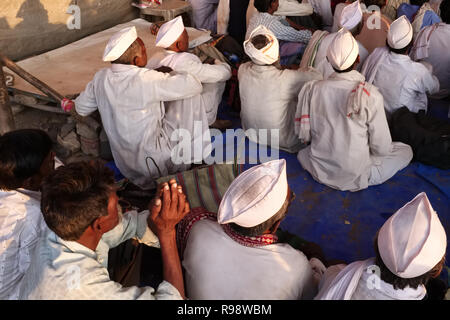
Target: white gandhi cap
400 33
412 241
169 32
343 50
119 43
255 195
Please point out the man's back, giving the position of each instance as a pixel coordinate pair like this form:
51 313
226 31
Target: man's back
269 98
130 101
221 268
401 81
340 150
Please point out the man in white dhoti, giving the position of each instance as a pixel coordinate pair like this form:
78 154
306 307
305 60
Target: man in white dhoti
344 119
173 37
235 254
269 94
80 207
410 250
316 52
130 100
401 81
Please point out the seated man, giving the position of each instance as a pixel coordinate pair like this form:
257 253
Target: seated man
401 81
173 37
130 99
80 207
316 52
235 255
26 157
292 37
343 118
268 93
410 250
432 46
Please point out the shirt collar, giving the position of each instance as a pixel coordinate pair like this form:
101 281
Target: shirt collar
350 76
72 246
398 56
116 67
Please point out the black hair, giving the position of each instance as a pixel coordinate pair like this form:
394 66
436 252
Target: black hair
263 5
445 11
22 153
401 50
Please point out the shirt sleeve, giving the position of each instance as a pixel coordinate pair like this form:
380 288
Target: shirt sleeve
86 103
287 33
132 224
206 73
380 141
170 86
429 82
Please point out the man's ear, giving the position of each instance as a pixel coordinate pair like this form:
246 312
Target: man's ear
97 225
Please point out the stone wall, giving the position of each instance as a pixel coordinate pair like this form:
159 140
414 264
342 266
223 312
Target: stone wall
31 27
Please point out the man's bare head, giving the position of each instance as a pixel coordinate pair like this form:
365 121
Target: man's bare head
259 41
136 54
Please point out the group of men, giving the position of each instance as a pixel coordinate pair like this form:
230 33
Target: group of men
330 99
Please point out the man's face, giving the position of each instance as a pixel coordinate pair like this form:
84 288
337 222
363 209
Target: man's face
274 5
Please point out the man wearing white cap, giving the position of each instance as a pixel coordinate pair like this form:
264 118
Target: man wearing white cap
235 254
130 100
410 250
173 37
401 81
316 53
432 45
343 118
269 94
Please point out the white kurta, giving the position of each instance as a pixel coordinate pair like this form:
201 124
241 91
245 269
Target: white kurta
438 54
401 81
68 270
21 225
348 154
213 78
222 269
269 100
358 282
131 104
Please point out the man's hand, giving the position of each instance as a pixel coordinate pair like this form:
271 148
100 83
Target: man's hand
154 28
67 104
164 69
166 213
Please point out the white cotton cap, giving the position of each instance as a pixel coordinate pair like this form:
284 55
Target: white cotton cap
255 195
266 55
169 32
351 15
119 43
413 240
343 50
400 33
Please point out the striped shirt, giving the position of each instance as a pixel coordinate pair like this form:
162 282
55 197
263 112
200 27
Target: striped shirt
279 26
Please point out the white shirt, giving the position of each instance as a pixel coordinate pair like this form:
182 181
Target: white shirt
269 100
131 103
213 78
222 269
68 270
401 81
438 54
341 148
21 225
279 26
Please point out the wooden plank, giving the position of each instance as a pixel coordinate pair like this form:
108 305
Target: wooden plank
6 116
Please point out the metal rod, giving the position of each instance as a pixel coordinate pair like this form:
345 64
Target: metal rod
6 116
41 107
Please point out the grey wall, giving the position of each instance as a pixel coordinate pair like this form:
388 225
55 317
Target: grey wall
30 27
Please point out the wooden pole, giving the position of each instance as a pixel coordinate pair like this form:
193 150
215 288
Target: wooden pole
47 90
6 116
